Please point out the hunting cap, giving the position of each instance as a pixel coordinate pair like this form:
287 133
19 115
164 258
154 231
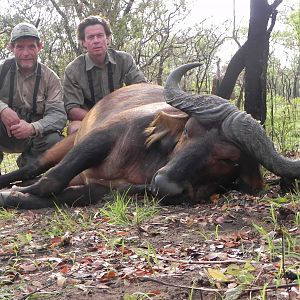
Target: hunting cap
23 30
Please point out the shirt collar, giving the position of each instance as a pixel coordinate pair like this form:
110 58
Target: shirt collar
34 71
109 57
90 64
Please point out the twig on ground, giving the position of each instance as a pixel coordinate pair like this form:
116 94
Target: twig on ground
143 279
38 290
273 287
259 288
4 256
205 262
52 282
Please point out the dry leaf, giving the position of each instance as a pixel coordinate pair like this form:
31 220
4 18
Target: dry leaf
217 275
61 280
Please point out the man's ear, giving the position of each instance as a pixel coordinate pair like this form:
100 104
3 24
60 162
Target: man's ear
11 46
40 45
108 40
82 44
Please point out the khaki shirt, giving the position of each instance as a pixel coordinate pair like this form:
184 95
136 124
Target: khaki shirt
50 113
76 87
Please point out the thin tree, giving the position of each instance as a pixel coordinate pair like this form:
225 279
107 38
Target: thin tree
253 56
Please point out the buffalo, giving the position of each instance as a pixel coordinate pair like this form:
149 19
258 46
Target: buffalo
164 141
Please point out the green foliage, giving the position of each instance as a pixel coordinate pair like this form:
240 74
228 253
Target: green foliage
283 123
125 210
9 163
149 30
295 23
243 274
65 221
23 239
138 296
118 210
286 243
263 292
7 215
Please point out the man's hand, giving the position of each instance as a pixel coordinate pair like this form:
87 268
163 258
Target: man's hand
9 117
23 130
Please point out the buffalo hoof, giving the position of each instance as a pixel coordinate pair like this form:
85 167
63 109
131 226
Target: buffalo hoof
3 197
16 199
44 187
11 199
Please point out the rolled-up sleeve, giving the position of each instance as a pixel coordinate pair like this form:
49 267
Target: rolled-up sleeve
72 91
4 86
54 117
2 105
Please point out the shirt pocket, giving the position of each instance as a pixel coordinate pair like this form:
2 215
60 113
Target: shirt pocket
40 104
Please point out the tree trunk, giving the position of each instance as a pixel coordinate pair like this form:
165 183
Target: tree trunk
234 68
253 56
256 60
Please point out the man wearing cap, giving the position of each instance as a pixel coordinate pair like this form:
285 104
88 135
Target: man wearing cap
32 113
98 72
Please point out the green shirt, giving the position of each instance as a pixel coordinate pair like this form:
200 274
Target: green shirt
76 87
50 113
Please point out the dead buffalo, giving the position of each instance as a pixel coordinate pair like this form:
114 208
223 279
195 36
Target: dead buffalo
184 149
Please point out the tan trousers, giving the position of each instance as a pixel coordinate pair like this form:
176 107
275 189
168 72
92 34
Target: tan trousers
29 148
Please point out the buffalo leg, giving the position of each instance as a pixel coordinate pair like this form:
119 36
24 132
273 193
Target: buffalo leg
25 173
88 153
72 196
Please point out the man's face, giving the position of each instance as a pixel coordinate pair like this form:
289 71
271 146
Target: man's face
95 41
26 52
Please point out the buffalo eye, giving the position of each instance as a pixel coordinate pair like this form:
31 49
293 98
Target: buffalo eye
229 162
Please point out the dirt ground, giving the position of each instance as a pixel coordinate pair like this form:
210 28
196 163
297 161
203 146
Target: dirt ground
184 252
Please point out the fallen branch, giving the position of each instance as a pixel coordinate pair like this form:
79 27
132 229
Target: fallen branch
143 279
273 287
51 283
204 262
5 256
259 288
38 290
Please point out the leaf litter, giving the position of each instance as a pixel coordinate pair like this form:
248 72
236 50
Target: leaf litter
183 252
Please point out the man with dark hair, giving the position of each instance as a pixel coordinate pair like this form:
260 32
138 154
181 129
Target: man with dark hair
98 72
32 112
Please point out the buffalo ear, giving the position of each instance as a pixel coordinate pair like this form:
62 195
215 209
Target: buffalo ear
163 124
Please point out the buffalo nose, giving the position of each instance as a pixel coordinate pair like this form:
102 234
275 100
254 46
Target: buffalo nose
163 186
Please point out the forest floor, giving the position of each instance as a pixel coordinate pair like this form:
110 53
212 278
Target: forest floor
235 247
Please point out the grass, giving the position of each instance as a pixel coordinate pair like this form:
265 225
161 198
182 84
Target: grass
66 221
281 240
138 296
7 215
283 123
9 163
125 210
280 243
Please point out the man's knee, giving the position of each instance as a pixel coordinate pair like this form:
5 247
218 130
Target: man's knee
42 143
53 138
39 146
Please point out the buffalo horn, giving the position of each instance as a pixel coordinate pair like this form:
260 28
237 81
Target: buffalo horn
236 126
